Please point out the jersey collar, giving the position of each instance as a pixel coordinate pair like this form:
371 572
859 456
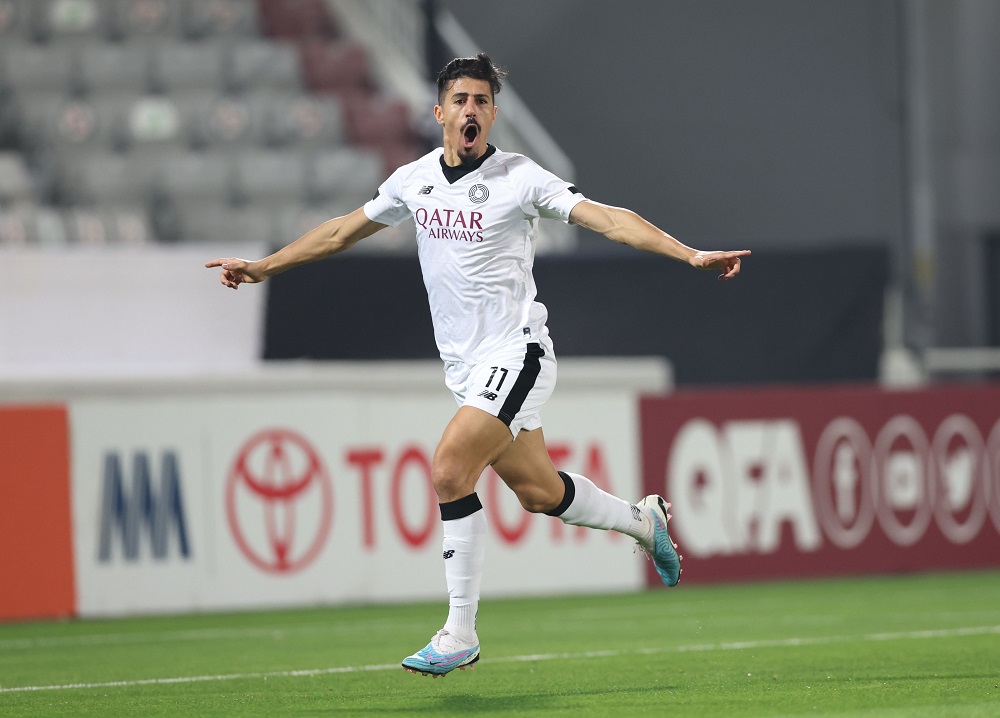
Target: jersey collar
454 174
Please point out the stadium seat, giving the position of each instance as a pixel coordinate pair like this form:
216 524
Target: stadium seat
296 19
383 124
220 122
152 122
15 180
16 227
307 122
375 119
205 176
25 66
396 154
269 178
131 226
346 176
32 226
63 21
221 18
107 226
109 67
259 64
15 20
38 226
293 221
182 66
145 20
336 67
96 178
52 121
208 222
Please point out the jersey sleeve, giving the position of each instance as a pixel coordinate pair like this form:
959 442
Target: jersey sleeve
543 194
387 206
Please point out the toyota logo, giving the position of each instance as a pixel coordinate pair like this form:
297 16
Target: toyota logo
279 501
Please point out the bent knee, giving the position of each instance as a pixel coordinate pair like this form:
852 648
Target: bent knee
450 487
452 480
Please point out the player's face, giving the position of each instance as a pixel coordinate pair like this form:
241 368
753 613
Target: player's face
466 114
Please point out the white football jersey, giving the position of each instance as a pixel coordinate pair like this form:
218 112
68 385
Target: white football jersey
475 228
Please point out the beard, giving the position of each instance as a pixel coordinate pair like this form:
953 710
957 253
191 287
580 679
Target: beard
468 156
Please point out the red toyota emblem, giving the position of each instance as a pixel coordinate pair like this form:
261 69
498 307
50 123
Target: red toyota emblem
279 501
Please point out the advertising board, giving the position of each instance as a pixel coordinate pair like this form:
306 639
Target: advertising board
815 482
193 502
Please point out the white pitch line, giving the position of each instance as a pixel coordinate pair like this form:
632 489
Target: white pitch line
194 634
727 646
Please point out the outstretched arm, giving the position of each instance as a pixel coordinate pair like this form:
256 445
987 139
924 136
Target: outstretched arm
626 227
331 237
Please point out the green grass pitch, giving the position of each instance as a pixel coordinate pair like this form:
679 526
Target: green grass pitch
926 645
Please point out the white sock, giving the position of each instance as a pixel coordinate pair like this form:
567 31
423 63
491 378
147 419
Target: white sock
590 506
464 524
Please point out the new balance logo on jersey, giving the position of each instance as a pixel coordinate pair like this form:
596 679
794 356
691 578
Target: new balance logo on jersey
488 394
449 553
426 189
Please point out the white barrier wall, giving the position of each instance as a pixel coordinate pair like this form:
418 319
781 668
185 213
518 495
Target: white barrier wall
302 487
112 311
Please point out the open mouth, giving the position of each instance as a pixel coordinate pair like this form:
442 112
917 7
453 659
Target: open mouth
469 135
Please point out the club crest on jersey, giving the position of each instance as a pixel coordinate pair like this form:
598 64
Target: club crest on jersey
479 193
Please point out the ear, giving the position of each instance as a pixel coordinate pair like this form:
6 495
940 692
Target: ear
439 114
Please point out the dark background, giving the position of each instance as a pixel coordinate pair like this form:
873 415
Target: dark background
851 144
796 317
765 122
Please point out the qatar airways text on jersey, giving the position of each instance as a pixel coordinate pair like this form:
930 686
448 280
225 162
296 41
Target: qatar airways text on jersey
455 224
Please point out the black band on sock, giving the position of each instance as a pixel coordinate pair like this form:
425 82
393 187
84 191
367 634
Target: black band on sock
567 497
461 508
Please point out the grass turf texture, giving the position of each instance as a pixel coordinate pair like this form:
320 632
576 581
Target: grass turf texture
894 646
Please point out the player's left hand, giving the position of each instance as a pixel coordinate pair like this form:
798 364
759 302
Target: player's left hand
726 262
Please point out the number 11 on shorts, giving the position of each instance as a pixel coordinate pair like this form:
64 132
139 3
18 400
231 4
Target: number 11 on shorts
493 374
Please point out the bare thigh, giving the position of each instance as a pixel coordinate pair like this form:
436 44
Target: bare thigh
472 441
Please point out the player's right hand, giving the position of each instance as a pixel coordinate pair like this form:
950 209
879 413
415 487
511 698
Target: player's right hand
237 271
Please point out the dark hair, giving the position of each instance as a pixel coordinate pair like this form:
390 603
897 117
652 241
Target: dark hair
480 67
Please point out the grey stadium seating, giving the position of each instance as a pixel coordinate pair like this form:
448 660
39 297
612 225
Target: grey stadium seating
197 221
120 68
182 120
26 67
179 66
258 64
49 227
15 180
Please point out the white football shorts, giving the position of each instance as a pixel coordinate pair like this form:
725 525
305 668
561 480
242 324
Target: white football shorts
512 384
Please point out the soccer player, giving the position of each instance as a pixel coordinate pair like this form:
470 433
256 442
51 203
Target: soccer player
475 207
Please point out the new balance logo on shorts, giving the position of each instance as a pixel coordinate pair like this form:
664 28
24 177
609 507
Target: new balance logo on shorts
488 394
449 553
